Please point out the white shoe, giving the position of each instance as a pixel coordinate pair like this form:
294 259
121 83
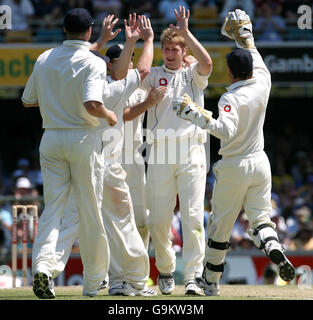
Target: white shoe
209 288
129 290
276 253
192 289
147 292
102 285
166 283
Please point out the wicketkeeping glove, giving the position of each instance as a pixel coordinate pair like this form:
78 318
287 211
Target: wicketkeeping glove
237 26
186 109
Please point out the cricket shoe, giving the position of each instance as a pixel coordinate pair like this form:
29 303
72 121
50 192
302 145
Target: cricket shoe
275 252
129 290
166 283
102 285
209 288
116 290
43 286
192 289
147 292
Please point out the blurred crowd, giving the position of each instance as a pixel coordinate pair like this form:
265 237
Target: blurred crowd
273 20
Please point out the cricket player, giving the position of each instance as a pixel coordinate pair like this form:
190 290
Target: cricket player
243 175
67 84
186 176
129 265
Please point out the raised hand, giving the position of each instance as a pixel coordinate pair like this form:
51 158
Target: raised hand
107 33
182 18
132 32
237 26
146 31
189 60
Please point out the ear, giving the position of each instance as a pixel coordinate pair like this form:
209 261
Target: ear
109 66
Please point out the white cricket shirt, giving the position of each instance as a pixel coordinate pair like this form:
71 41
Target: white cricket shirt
133 129
242 112
115 97
63 79
178 82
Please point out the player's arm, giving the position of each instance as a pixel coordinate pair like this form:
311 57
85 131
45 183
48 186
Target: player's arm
132 35
146 33
29 105
223 128
93 94
29 97
107 33
155 95
237 26
97 109
204 66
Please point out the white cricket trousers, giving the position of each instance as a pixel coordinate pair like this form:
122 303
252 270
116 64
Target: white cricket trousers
187 178
72 158
136 180
129 258
240 182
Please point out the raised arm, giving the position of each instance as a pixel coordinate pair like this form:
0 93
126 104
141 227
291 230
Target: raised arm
146 33
204 60
132 35
237 26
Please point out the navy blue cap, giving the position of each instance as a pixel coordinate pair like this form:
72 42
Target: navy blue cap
114 51
240 63
77 20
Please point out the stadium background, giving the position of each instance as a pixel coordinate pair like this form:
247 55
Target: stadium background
288 126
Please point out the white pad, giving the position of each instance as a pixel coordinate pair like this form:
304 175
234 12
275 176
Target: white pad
263 234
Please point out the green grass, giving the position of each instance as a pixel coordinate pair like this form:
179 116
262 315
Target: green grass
228 292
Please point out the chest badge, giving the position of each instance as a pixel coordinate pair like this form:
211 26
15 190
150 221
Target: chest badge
227 108
163 82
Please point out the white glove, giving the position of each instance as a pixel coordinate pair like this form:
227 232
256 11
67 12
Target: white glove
237 26
186 109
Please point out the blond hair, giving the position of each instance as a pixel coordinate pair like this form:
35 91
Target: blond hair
171 36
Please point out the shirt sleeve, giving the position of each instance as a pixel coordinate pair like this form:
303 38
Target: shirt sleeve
201 80
260 70
225 126
145 84
94 83
132 82
29 95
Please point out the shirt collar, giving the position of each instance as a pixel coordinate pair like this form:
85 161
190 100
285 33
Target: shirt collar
240 83
109 79
170 70
77 43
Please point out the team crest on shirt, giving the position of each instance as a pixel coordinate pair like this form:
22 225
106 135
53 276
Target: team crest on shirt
163 82
227 108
